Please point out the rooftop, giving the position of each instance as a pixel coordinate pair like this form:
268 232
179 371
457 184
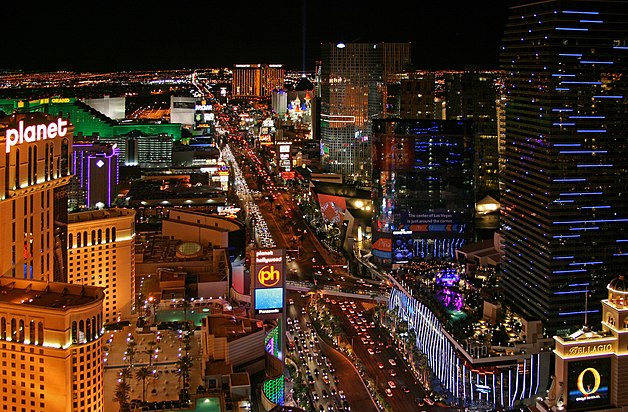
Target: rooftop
52 295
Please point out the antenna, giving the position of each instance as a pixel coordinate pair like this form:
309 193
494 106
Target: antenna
586 307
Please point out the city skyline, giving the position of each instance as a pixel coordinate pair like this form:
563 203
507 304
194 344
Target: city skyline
143 37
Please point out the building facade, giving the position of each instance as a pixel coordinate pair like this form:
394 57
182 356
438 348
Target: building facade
94 168
256 80
101 252
423 192
33 202
51 341
565 219
352 87
592 366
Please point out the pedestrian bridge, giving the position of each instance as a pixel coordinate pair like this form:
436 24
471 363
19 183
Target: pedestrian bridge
334 291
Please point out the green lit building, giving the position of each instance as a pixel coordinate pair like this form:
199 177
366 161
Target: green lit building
88 121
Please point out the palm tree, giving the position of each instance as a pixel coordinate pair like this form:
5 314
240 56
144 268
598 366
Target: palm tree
131 351
140 375
151 351
121 395
184 367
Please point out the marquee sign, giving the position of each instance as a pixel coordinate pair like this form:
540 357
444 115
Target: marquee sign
268 277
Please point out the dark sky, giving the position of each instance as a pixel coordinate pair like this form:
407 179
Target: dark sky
136 35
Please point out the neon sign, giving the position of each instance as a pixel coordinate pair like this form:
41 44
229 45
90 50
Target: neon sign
268 276
36 132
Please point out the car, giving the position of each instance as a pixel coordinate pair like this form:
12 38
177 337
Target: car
405 389
336 380
345 404
380 365
324 394
310 379
330 407
333 392
392 372
291 302
342 395
371 351
419 402
316 371
392 384
389 392
428 400
392 362
326 380
321 408
315 395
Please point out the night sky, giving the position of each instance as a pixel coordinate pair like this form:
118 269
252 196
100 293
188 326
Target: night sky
135 35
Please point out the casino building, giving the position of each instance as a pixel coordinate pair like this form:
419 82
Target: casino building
33 195
591 368
50 346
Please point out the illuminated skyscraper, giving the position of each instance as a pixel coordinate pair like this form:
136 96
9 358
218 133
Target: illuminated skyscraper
256 80
352 82
565 206
51 340
422 189
33 196
101 252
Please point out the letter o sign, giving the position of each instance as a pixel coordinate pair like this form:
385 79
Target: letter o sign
596 376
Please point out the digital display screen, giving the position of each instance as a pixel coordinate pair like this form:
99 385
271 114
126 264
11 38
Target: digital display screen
269 301
588 383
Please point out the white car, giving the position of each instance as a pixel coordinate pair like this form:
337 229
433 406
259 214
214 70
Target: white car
342 395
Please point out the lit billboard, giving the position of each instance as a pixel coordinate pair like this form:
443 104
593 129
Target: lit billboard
588 383
268 276
402 246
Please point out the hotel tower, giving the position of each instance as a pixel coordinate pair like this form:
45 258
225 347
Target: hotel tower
50 331
565 205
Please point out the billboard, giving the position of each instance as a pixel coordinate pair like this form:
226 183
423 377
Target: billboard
402 246
268 280
588 383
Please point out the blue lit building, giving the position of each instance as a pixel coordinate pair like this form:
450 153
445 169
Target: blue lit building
423 191
565 206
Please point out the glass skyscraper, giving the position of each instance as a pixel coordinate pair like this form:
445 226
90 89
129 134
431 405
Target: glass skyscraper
565 206
423 197
353 83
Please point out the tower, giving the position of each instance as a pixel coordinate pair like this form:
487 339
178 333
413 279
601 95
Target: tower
422 189
352 82
33 196
565 212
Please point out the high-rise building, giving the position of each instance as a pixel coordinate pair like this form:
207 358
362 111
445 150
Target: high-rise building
33 195
352 84
256 80
422 192
101 252
565 211
51 346
94 168
472 95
